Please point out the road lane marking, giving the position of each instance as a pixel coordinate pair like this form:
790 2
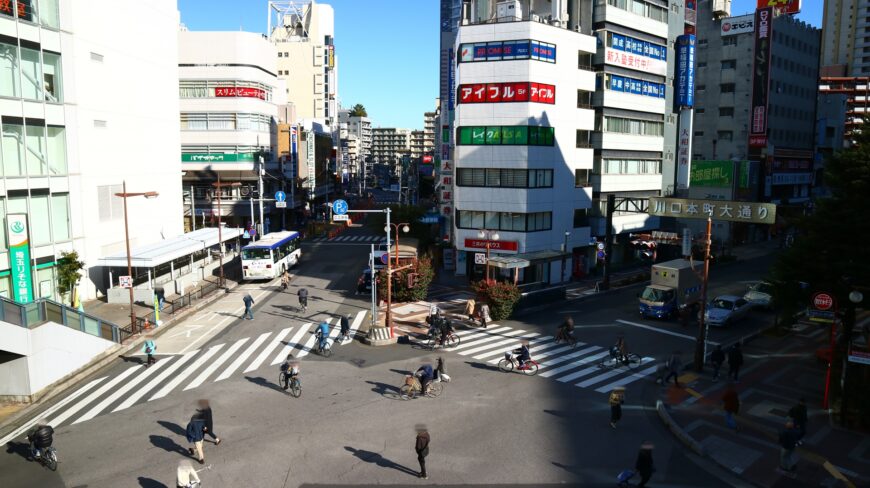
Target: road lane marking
309 344
357 321
156 381
501 343
271 347
244 356
234 312
500 352
216 364
628 379
121 392
55 422
572 365
291 344
187 372
482 337
568 357
662 331
599 378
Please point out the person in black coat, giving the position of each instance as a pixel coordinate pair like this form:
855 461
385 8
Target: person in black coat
204 413
644 464
735 360
717 358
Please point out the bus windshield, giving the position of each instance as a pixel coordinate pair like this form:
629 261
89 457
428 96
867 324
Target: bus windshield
256 253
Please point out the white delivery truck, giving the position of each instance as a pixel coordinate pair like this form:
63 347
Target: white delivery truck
673 285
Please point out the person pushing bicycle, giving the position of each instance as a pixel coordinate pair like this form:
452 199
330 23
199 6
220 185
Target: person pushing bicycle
290 368
426 374
445 329
566 329
619 351
321 334
303 298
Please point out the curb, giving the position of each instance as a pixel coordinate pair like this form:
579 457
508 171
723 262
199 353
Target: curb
678 431
98 362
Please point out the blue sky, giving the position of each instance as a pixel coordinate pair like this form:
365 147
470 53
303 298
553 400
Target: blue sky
388 49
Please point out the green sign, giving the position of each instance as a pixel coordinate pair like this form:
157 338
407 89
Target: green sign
217 158
716 174
19 258
744 174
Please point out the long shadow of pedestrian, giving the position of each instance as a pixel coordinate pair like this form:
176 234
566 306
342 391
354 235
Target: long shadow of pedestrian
570 469
375 458
400 371
264 382
131 359
174 428
20 448
486 366
383 388
150 483
167 444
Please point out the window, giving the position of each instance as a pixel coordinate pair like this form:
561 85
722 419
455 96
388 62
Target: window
13 150
507 50
111 206
584 60
581 178
505 178
725 135
634 127
584 138
225 88
40 223
51 77
631 167
639 7
540 178
581 217
31 74
584 99
35 143
726 111
48 15
60 224
726 87
504 221
702 64
56 150
700 87
699 133
10 85
699 110
729 63
729 41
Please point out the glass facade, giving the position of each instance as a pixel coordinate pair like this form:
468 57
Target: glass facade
32 149
43 12
29 73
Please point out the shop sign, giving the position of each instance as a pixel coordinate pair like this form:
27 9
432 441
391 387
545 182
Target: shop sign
507 92
859 354
237 91
634 61
737 25
497 246
752 212
19 257
217 158
686 70
781 6
791 179
716 174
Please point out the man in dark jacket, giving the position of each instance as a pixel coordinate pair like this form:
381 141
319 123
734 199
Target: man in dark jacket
735 360
798 414
204 412
195 433
345 327
40 437
644 464
249 302
421 446
788 438
717 358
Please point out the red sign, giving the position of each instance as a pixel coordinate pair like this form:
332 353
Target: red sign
757 141
507 92
427 159
234 91
782 6
511 246
823 301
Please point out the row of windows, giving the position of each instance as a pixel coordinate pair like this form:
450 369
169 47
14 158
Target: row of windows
505 221
791 112
629 167
29 73
48 215
506 135
794 67
642 8
226 121
794 90
33 149
224 148
43 12
507 50
633 127
505 178
722 135
224 88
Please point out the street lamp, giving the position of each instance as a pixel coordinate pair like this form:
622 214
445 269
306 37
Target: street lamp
565 253
406 228
489 236
219 186
125 196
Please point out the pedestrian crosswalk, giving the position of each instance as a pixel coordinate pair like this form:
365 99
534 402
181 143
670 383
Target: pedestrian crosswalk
351 239
577 365
185 372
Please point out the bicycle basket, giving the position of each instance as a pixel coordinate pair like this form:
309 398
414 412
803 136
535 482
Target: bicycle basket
409 380
507 356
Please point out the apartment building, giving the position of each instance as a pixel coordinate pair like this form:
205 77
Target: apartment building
75 126
389 144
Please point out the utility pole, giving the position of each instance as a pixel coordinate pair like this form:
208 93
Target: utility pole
260 171
192 209
701 341
608 240
389 316
251 202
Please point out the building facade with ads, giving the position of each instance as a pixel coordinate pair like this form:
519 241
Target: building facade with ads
73 122
230 98
521 105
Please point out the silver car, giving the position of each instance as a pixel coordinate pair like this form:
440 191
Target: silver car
760 295
725 309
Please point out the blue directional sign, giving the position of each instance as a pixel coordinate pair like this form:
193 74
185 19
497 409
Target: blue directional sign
280 196
339 207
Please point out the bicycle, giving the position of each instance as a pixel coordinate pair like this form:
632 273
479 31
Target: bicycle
412 388
567 337
294 386
48 458
631 360
325 351
452 340
508 364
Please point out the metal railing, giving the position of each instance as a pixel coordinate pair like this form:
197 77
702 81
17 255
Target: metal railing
171 307
43 310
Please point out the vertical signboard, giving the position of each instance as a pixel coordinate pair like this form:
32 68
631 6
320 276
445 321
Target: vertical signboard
309 160
19 257
781 6
684 149
686 70
451 80
761 77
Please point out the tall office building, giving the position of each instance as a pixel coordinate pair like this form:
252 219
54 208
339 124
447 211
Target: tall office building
75 126
389 144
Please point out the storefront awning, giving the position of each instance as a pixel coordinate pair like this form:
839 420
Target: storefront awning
167 250
524 260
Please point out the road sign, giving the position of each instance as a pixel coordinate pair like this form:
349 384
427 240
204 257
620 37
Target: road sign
823 301
125 281
720 210
339 207
280 204
821 316
280 196
385 257
600 246
479 258
340 218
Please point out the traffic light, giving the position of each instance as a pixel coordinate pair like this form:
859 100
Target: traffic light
412 280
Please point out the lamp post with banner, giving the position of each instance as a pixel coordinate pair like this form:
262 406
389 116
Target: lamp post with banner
489 236
125 196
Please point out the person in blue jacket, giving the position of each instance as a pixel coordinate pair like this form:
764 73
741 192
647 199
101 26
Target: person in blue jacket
321 334
426 373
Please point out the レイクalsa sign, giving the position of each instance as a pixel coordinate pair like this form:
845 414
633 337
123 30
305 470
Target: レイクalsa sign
19 258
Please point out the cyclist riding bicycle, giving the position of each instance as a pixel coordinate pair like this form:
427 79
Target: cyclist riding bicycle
566 329
445 328
40 438
285 279
425 373
291 369
619 351
303 297
321 334
523 354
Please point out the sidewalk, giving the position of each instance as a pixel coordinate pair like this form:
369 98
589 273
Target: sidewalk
778 371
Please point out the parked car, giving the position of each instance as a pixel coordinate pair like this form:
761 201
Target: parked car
760 295
726 309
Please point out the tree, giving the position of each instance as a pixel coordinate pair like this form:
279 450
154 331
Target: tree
358 110
501 296
68 268
424 273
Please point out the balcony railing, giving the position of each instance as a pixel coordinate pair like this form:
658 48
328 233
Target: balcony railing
529 17
43 310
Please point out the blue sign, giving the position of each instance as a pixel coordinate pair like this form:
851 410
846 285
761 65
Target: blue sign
686 70
640 87
339 207
385 258
280 196
636 46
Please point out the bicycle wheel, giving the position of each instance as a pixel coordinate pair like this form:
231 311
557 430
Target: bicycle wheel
633 361
432 343
435 389
296 388
530 369
452 341
606 362
50 458
281 376
326 351
505 365
406 392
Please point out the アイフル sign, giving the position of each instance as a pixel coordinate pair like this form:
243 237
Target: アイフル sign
19 257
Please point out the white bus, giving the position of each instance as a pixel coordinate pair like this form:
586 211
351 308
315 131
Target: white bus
270 256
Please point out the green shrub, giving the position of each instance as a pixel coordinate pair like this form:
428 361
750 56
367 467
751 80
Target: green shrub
502 297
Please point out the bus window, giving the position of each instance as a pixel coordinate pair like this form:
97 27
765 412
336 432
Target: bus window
256 253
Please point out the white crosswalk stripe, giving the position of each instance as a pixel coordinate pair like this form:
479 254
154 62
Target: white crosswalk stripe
513 343
139 393
93 412
244 356
291 344
187 372
216 364
480 338
628 379
93 396
357 321
498 344
573 364
271 347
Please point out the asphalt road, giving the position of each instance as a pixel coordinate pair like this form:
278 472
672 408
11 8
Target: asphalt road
349 427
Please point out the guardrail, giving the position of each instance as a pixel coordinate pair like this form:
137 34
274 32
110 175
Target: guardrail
44 310
170 307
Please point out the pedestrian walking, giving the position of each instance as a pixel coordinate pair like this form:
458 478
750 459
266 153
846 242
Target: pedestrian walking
204 412
249 302
469 308
161 297
717 358
185 475
735 360
422 448
788 438
644 464
484 315
731 405
617 398
195 432
675 365
361 285
440 370
798 414
149 348
345 328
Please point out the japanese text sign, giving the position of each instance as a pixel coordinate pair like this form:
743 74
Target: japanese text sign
19 257
507 92
752 212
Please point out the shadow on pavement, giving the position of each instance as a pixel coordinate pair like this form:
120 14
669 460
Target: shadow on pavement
375 458
150 483
131 359
483 366
20 448
557 413
383 388
265 383
174 428
167 444
400 371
